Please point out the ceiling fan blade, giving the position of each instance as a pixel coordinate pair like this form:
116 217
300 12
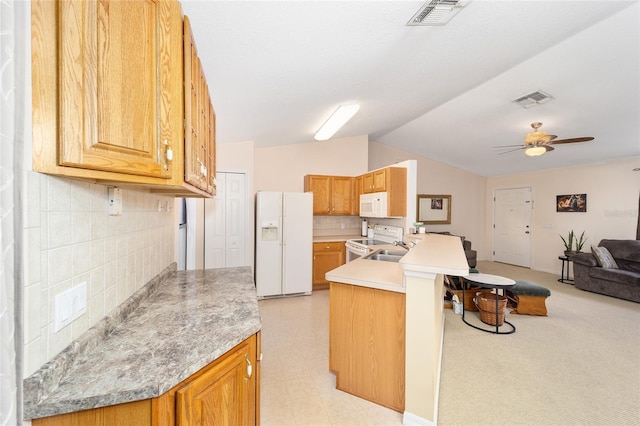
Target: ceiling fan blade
511 150
546 138
572 140
548 148
507 146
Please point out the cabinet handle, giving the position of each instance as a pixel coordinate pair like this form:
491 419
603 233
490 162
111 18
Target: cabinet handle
249 366
168 154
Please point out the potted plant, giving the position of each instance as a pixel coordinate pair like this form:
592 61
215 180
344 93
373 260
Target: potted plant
580 242
569 241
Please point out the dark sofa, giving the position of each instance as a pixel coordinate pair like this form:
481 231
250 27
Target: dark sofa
623 282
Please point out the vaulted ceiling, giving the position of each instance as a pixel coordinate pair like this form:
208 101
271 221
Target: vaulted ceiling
277 69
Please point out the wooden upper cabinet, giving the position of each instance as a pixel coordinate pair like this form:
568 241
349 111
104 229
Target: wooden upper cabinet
357 190
199 119
109 96
374 181
332 195
341 195
321 188
115 61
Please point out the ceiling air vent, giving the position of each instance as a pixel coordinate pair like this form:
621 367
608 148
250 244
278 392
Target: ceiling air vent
533 99
437 12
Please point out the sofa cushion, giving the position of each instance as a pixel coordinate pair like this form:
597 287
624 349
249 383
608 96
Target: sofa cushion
625 252
604 257
617 275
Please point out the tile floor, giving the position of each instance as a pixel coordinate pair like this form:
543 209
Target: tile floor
297 387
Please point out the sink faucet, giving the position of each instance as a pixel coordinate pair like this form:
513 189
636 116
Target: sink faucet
403 244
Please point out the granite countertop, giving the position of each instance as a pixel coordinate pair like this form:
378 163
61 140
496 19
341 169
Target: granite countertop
168 330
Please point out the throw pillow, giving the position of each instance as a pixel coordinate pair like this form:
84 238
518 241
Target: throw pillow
604 258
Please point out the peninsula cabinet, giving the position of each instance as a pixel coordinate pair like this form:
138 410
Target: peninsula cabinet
332 195
107 82
367 343
226 392
326 256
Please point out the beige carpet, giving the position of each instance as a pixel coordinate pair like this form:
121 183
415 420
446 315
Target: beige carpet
578 366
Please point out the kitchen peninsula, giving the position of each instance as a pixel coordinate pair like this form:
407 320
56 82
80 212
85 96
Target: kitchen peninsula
387 324
182 344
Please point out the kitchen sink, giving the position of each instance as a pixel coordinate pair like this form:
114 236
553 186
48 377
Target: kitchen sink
386 255
392 252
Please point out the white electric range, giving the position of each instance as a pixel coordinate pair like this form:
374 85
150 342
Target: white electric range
383 235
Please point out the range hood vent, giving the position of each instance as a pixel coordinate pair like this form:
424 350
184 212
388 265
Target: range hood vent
437 12
532 99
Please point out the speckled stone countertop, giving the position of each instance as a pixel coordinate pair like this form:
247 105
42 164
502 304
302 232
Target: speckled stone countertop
171 328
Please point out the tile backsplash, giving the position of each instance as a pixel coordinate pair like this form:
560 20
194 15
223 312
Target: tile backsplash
348 225
69 238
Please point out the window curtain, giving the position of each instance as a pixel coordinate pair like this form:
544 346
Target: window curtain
13 37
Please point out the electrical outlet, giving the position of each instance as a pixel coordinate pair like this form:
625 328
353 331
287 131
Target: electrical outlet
115 201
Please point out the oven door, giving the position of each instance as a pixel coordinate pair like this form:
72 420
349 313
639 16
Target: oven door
353 253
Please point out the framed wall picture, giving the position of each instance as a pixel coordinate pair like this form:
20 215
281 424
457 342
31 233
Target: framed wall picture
433 209
571 203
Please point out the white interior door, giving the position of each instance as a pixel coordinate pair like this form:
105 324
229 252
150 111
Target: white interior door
225 222
512 226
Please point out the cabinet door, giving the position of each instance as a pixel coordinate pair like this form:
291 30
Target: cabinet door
357 190
326 256
367 183
379 180
196 98
321 188
341 198
223 395
115 86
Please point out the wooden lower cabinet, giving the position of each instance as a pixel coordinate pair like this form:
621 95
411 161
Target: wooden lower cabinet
326 256
367 337
226 392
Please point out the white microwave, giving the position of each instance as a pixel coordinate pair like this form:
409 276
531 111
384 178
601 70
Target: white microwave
374 204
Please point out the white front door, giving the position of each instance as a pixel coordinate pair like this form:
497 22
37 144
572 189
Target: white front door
225 222
512 226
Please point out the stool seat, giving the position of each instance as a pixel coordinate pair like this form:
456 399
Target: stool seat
527 288
529 298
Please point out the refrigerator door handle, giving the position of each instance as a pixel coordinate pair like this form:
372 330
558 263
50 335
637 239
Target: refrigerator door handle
282 237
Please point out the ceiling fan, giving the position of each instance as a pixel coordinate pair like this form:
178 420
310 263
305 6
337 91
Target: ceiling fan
539 142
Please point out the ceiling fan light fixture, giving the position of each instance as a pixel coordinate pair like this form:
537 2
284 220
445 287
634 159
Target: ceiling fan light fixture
535 151
338 119
534 137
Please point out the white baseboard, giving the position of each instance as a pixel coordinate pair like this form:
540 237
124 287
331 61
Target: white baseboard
413 420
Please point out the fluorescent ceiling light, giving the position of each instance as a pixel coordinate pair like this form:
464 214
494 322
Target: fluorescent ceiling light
336 121
535 151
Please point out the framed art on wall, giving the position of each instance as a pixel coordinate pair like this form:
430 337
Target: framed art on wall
433 209
571 203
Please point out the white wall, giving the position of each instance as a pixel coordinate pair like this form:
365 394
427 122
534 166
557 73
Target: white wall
69 238
282 168
467 192
612 190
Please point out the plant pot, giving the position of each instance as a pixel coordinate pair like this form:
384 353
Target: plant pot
569 253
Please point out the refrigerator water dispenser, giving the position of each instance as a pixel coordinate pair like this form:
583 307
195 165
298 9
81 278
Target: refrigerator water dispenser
269 231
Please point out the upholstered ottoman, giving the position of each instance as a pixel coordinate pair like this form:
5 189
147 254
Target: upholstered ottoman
529 298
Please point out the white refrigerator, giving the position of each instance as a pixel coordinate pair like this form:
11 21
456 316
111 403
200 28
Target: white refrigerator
284 243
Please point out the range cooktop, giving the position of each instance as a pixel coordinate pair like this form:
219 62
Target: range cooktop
368 242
